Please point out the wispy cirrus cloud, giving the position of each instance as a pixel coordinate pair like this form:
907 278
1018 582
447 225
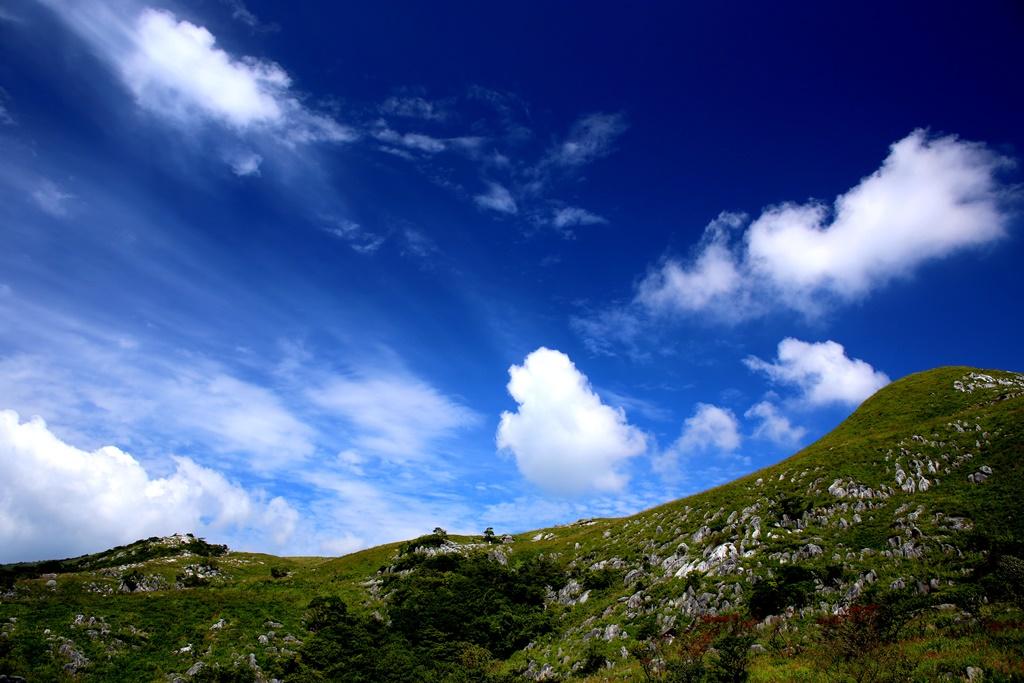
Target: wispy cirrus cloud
517 178
394 416
51 198
175 70
572 216
497 198
590 138
6 118
416 107
241 13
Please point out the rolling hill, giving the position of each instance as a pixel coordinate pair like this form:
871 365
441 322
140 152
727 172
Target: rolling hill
890 549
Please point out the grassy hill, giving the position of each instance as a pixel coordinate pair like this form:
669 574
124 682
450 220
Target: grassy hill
888 550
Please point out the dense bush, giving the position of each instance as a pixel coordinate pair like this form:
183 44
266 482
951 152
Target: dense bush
594 658
793 507
132 579
861 643
433 540
599 579
791 587
446 620
221 674
473 599
709 650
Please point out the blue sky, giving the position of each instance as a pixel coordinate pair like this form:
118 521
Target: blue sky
306 279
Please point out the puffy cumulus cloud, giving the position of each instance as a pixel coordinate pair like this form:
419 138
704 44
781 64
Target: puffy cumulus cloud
497 198
394 416
590 138
773 425
174 69
710 428
59 500
822 371
563 437
932 197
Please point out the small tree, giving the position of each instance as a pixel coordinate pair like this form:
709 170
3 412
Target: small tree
489 536
439 532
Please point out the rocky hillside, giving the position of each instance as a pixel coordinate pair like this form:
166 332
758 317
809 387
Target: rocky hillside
887 550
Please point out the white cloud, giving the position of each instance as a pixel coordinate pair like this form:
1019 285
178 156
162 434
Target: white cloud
822 371
605 331
932 197
59 500
497 198
419 244
49 197
590 138
414 107
416 141
239 417
242 14
394 416
563 437
5 116
358 238
713 274
570 216
773 425
710 428
174 69
100 393
246 164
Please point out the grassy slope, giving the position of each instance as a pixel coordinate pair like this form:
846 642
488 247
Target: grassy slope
865 448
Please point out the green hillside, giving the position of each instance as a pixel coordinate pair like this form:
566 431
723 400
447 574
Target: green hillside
890 549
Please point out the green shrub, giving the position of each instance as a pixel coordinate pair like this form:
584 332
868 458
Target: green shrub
599 579
594 659
791 587
132 579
